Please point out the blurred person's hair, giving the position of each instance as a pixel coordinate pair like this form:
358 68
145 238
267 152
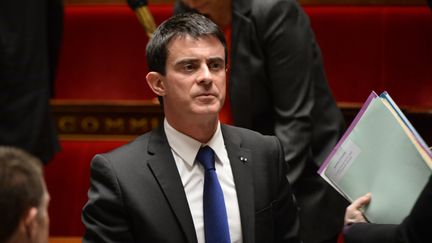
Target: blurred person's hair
21 188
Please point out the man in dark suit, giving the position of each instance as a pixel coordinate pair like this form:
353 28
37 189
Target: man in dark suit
151 190
414 229
277 86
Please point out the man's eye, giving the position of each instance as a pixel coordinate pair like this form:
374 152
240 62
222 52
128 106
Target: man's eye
215 66
188 67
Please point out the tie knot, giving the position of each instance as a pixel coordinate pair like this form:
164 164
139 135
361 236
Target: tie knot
206 157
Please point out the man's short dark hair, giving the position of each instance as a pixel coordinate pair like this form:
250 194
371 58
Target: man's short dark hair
180 25
21 188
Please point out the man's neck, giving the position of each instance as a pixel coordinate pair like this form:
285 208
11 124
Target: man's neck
199 129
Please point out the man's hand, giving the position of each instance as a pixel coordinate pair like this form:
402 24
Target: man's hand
353 213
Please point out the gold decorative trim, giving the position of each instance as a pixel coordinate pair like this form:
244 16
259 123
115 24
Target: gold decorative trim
108 119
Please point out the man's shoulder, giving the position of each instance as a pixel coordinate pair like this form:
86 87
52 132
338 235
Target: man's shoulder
246 136
241 131
136 147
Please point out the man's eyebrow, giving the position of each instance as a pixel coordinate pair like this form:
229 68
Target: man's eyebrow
195 60
186 60
216 59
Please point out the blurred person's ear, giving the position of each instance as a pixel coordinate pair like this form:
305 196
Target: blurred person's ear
29 223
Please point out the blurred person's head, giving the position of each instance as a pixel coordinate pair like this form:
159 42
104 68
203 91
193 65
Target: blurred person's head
23 198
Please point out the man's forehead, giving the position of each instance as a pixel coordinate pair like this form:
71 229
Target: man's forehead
186 45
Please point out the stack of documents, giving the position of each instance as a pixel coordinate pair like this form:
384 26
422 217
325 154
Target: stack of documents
381 153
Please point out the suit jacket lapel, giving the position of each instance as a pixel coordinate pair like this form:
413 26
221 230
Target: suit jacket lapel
165 171
241 162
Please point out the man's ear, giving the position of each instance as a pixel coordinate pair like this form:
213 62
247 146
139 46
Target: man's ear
154 80
29 222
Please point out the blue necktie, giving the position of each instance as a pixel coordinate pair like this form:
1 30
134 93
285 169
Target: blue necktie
215 217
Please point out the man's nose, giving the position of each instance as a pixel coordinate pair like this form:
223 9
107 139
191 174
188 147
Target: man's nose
205 76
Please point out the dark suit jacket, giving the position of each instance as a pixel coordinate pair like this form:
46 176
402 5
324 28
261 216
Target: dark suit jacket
136 193
416 228
278 87
29 39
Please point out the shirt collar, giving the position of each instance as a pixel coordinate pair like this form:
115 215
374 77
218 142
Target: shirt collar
187 147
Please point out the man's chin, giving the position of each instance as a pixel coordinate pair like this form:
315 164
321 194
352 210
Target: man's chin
207 110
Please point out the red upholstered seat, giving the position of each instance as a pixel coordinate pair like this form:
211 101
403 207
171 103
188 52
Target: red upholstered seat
103 53
68 179
364 47
376 48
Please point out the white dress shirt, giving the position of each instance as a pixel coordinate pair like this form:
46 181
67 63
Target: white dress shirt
184 150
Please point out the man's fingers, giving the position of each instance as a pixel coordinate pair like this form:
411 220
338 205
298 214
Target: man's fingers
361 201
353 214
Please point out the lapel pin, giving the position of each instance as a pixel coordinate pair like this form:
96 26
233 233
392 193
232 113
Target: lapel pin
243 159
